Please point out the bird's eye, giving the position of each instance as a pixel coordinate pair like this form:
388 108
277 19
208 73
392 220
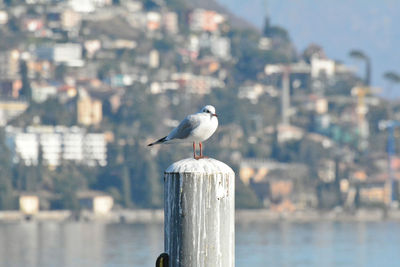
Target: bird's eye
207 111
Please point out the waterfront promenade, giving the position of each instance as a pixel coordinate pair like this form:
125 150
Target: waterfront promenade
241 217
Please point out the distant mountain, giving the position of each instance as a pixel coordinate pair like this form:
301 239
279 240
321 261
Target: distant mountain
338 26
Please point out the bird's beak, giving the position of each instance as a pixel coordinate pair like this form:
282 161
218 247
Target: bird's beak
215 115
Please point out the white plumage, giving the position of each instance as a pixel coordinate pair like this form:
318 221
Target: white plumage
194 128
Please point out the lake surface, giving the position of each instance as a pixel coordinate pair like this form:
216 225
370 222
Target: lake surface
75 244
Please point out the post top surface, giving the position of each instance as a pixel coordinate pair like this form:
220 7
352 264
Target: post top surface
191 165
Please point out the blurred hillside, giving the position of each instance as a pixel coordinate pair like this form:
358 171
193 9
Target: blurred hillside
86 85
338 26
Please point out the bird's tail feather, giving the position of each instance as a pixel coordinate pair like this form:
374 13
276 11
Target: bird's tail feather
159 141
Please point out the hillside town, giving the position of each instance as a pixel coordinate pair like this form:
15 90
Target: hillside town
86 85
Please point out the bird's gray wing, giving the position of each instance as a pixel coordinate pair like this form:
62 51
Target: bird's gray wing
184 128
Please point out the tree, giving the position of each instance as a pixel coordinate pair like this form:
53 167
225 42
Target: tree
271 31
311 50
245 197
6 197
393 78
68 179
26 90
126 187
60 71
359 55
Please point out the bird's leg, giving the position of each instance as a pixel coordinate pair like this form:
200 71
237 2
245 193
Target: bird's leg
201 151
194 150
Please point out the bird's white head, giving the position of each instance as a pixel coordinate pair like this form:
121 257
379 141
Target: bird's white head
209 109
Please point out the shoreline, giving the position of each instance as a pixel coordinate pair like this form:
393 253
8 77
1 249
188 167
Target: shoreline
241 216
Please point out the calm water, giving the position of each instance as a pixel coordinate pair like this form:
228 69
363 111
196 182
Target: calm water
272 244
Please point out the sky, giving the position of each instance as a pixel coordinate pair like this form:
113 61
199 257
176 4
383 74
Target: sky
339 26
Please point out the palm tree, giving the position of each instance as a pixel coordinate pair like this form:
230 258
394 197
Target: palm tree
358 54
393 78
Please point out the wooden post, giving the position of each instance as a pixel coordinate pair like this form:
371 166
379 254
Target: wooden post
199 209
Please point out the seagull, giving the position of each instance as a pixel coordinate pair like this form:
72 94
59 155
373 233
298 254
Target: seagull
194 128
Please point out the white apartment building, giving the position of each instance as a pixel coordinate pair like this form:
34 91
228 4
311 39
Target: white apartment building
50 143
24 146
68 53
95 149
73 146
56 144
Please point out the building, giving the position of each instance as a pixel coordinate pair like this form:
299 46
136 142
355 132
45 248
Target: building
154 59
321 105
73 145
221 47
95 201
24 146
10 88
29 204
42 91
51 148
286 132
33 24
153 20
9 64
56 144
70 20
280 186
89 111
88 6
10 109
322 67
170 22
254 91
40 69
374 192
69 54
95 149
91 47
197 84
205 20
3 17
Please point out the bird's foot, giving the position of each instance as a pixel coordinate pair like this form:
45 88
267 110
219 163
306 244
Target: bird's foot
200 157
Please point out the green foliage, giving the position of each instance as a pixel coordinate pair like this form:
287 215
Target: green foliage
177 5
150 4
275 32
250 59
245 198
60 72
68 179
26 90
138 107
164 45
126 187
6 188
341 86
145 178
50 112
392 77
